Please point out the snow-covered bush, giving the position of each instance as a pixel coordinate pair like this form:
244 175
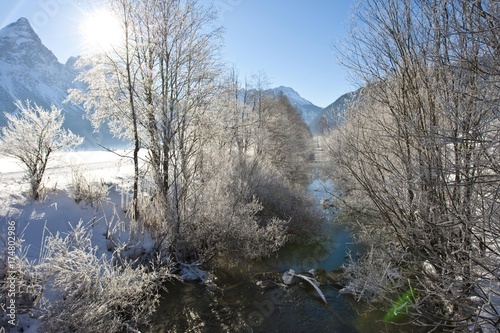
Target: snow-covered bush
234 231
373 278
90 293
88 190
231 222
282 198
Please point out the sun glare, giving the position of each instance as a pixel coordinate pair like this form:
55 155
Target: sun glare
101 31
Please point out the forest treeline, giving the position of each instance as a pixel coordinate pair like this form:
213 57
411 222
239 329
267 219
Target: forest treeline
418 159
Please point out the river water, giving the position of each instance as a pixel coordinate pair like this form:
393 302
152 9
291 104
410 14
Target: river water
246 301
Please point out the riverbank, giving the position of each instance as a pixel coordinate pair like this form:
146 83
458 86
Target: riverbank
251 297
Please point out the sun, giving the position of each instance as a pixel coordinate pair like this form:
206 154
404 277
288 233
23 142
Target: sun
101 31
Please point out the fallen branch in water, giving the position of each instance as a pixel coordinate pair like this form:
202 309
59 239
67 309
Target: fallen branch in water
288 276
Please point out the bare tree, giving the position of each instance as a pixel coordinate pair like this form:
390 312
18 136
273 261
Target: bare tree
110 92
177 65
32 136
418 146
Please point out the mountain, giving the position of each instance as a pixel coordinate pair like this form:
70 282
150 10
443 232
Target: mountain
29 70
318 119
334 114
308 110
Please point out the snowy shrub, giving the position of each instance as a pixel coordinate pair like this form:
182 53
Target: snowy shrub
91 293
88 190
373 278
231 221
236 231
282 198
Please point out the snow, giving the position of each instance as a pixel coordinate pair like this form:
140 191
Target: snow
288 276
100 164
20 31
59 213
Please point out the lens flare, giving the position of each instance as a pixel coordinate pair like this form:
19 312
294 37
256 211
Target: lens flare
101 31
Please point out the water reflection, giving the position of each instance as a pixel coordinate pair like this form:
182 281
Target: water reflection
251 297
249 307
244 301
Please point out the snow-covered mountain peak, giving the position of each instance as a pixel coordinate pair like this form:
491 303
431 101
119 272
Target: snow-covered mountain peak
307 109
19 30
292 95
19 44
71 62
30 71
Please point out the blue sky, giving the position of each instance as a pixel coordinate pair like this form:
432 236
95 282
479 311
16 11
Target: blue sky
289 40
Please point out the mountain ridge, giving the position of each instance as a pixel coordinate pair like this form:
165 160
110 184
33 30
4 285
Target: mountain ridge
30 71
334 114
307 109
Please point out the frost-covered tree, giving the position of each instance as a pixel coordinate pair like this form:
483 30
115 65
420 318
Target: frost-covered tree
164 89
32 135
153 89
287 139
110 88
179 67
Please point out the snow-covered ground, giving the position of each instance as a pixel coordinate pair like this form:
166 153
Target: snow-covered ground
97 164
58 212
